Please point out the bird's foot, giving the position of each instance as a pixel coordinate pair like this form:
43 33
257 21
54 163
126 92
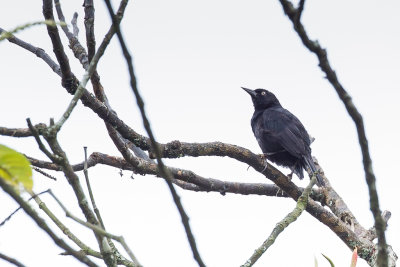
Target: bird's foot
280 191
265 167
224 190
264 158
290 175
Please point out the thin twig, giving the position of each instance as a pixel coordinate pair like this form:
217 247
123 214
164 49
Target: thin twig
44 173
85 171
75 29
15 211
280 226
42 147
63 228
163 170
300 10
11 260
74 101
39 52
325 66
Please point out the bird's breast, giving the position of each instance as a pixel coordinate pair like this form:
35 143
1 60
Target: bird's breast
266 138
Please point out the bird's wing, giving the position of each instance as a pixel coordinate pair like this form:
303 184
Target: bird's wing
284 127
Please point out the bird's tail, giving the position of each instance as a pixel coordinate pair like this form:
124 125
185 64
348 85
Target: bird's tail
311 165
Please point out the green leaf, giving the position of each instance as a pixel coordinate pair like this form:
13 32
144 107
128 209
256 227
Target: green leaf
328 259
15 168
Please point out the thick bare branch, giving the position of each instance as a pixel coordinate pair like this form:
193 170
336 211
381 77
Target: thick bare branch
183 178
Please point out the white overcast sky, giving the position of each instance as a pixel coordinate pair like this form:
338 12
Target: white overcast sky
191 58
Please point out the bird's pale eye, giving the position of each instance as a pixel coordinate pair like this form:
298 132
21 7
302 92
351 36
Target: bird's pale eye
262 93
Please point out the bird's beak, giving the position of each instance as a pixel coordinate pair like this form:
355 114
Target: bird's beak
250 92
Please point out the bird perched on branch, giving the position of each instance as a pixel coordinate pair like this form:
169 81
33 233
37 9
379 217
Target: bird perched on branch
281 136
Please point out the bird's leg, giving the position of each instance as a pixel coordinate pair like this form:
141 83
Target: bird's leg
264 156
290 175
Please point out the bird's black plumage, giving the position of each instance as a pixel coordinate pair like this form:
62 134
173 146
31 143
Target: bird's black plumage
281 136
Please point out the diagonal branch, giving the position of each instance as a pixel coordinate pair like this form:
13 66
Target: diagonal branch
39 52
11 260
324 64
280 226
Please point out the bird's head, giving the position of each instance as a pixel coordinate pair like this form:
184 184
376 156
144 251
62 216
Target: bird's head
262 99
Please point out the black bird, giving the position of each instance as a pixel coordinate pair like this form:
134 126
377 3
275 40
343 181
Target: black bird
281 136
